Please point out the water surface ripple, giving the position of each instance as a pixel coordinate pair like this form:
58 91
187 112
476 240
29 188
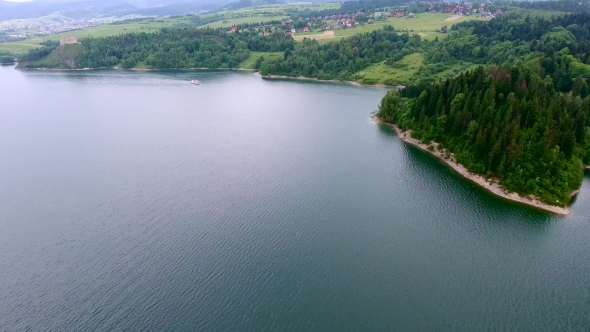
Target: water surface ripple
137 202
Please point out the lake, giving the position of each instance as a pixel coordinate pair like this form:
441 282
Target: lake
134 201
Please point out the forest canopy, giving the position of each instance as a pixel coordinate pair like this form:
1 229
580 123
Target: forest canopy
524 118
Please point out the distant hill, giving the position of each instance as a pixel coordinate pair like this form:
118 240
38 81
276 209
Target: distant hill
251 3
104 8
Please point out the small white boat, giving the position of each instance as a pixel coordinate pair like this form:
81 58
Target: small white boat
195 82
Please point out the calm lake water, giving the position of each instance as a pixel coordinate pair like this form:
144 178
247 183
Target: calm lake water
133 201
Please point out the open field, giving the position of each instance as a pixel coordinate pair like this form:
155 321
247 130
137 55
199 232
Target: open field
243 20
263 13
251 61
150 25
397 73
240 16
326 35
423 24
277 9
453 18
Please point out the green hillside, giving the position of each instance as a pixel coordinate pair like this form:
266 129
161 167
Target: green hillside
64 57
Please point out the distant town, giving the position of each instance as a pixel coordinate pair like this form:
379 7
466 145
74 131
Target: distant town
32 28
15 31
343 21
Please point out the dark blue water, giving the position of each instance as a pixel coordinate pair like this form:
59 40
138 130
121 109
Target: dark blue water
137 202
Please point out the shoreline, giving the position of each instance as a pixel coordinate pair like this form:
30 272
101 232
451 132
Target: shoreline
134 69
486 184
303 78
256 72
154 69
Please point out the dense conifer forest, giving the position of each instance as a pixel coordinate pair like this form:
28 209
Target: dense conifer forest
524 121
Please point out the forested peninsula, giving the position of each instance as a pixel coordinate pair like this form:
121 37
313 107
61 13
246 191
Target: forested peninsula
523 123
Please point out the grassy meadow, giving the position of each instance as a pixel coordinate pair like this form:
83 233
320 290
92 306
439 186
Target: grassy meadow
263 13
251 61
399 72
277 9
423 24
243 20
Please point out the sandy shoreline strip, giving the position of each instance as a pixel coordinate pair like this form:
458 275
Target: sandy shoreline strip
489 185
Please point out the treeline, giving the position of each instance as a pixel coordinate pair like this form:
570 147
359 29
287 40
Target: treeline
558 46
6 59
339 60
563 44
524 119
572 6
511 37
172 48
510 124
37 53
180 48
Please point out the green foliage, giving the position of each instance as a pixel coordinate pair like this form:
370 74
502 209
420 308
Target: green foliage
6 59
64 57
128 62
339 60
171 48
573 6
399 72
50 43
508 123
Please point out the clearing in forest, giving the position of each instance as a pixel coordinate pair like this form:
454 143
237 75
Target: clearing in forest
250 63
398 73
